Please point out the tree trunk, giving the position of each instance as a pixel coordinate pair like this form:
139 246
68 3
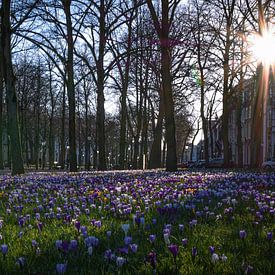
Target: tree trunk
185 143
12 112
203 118
257 119
1 110
70 87
100 115
225 114
87 131
155 156
123 116
170 127
258 101
62 138
239 115
193 140
38 158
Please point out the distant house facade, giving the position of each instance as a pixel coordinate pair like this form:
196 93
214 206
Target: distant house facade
268 124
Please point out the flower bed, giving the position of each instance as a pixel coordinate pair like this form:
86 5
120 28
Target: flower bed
137 223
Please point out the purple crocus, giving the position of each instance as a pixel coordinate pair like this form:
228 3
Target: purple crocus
211 249
65 246
181 227
34 243
73 245
109 233
194 252
4 249
152 238
58 244
248 270
269 236
61 268
133 247
152 259
108 254
21 262
242 234
40 226
77 225
184 242
174 249
97 224
127 240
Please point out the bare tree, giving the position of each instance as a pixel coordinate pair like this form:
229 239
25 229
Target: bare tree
162 27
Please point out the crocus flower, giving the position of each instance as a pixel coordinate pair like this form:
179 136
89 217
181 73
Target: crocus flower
166 238
73 245
77 225
97 224
34 243
107 254
181 227
174 249
152 259
65 246
40 226
109 233
4 249
125 227
248 270
38 251
142 221
269 236
152 238
21 262
242 234
214 258
211 249
61 268
133 247
123 250
120 261
223 258
58 244
127 240
90 250
184 242
194 252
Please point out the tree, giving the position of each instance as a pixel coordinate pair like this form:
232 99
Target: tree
162 28
12 112
70 85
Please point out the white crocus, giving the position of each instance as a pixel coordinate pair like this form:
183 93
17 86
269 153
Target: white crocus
214 258
166 239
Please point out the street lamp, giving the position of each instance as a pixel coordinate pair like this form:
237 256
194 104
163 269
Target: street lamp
43 144
88 153
97 158
68 156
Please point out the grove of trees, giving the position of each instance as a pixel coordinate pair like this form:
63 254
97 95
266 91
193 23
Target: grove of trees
121 83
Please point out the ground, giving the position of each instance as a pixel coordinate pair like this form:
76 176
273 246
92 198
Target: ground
134 222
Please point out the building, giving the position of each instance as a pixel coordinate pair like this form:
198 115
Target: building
268 123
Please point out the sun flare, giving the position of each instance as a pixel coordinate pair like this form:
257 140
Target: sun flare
262 47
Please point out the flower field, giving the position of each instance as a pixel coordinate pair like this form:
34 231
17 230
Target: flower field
137 223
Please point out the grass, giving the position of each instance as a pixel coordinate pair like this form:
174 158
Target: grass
203 197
